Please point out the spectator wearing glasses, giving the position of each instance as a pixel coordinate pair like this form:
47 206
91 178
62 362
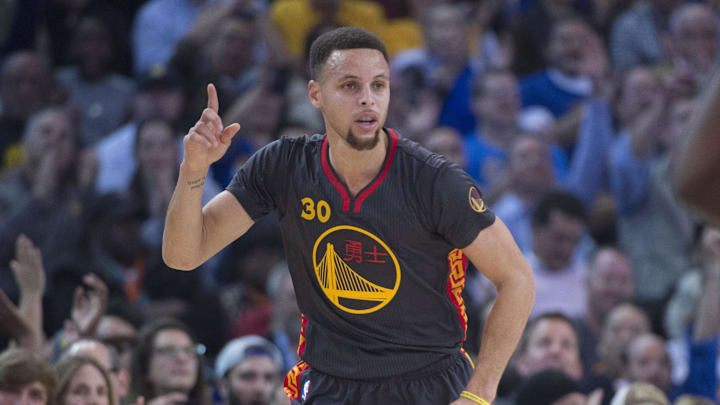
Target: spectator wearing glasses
166 366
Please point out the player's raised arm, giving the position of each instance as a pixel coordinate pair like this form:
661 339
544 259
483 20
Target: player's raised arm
496 255
192 233
696 178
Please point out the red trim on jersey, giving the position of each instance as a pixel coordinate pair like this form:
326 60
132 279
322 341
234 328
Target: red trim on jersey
331 176
302 341
291 384
455 285
362 196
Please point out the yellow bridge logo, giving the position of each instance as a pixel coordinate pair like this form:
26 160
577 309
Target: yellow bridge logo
343 285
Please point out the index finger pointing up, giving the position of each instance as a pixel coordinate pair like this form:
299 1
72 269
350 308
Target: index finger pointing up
213 103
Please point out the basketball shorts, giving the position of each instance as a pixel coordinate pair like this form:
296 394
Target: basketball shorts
441 386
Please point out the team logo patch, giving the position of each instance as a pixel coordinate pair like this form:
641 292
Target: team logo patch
476 202
356 270
306 389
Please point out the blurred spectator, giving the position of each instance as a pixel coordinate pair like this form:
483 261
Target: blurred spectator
167 367
83 381
102 96
25 378
88 301
694 28
550 387
622 324
250 262
286 317
576 65
654 229
529 178
637 35
491 40
295 19
25 88
533 30
248 371
648 361
118 328
495 104
300 111
159 95
442 68
50 146
550 341
62 16
700 328
182 295
447 142
609 284
558 224
158 27
640 393
47 197
114 243
108 359
633 108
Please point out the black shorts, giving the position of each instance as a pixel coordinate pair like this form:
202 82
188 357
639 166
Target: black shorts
440 387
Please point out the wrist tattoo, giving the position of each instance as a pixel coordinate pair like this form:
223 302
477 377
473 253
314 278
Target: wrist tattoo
196 183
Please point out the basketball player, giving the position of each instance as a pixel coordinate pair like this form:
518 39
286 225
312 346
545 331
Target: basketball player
376 231
697 168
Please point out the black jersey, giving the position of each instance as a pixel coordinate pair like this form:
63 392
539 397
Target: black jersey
378 276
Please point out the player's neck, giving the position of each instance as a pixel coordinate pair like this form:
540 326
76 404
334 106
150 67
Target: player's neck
357 168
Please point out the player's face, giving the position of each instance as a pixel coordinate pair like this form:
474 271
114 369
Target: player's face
353 92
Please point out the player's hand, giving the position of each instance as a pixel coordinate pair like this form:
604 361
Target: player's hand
208 140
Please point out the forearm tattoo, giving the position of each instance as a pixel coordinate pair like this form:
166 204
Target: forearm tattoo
196 183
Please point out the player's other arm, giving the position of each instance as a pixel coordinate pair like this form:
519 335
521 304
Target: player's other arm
696 176
192 233
496 255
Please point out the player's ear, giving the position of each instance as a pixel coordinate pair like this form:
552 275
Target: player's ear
314 93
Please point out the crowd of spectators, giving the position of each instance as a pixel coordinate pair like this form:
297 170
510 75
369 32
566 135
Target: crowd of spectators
567 113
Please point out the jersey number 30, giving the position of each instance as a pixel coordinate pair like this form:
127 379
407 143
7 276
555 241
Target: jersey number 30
311 210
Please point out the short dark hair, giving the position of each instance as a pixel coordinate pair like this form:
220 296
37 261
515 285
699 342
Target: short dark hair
562 201
339 39
20 367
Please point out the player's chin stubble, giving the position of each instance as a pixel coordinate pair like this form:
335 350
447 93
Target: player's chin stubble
358 144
